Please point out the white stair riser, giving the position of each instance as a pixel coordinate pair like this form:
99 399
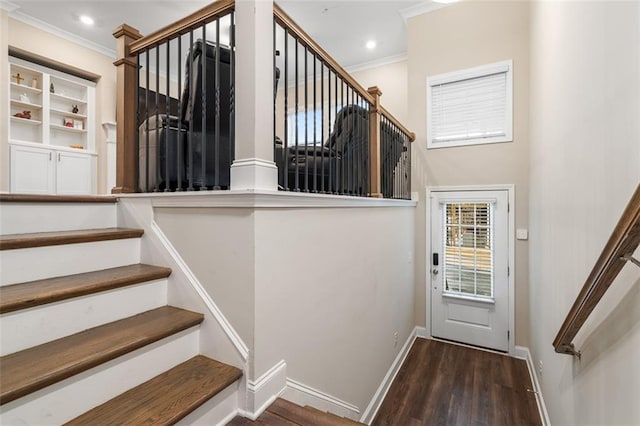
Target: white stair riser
22 218
219 410
29 264
31 327
68 399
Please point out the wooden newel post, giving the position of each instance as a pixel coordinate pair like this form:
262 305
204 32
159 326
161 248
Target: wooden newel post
374 143
126 120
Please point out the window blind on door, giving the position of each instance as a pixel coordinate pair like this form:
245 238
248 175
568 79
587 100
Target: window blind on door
468 248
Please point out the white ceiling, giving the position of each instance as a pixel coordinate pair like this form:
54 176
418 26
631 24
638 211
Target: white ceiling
340 27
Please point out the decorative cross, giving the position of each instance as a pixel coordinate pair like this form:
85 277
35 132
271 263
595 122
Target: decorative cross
18 78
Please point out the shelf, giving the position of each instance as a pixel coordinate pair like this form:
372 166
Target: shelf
68 114
53 147
67 129
25 104
67 98
31 122
25 88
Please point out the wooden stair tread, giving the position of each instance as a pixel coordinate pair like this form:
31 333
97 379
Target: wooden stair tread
166 398
26 295
40 239
27 371
299 415
44 198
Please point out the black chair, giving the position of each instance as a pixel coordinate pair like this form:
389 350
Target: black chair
339 166
201 130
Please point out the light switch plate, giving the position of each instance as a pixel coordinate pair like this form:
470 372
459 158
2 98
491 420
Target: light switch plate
522 234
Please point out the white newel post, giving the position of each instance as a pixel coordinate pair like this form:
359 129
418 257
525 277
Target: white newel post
253 168
110 130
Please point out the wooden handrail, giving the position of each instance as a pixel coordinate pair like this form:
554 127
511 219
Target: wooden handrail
624 240
182 26
398 124
283 19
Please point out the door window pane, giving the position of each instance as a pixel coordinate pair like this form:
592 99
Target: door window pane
468 249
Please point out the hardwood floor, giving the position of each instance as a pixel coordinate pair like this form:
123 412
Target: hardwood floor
445 384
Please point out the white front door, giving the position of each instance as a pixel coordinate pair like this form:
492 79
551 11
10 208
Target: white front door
469 267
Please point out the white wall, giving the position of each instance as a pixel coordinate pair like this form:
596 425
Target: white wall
584 164
323 289
332 288
217 244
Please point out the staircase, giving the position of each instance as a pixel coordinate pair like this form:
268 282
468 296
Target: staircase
86 333
285 413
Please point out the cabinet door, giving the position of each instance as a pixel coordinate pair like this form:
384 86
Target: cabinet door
32 170
74 173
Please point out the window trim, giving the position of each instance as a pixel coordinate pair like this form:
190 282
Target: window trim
475 72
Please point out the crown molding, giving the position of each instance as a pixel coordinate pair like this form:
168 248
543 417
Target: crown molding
8 6
58 32
421 8
377 63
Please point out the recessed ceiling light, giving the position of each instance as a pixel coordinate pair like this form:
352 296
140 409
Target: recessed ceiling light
87 20
371 44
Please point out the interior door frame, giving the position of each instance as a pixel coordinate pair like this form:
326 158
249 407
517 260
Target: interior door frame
511 240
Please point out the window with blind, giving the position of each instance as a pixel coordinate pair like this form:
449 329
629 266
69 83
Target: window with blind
468 249
470 107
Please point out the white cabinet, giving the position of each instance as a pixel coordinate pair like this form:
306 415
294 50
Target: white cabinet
51 131
36 170
72 170
32 170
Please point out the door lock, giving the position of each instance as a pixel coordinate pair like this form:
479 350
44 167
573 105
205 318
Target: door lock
435 271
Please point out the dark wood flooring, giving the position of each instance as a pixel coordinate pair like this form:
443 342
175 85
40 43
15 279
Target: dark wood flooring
286 413
445 384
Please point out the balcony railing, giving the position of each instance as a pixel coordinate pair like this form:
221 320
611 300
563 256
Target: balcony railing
176 113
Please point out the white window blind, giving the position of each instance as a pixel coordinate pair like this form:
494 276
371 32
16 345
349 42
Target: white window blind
470 107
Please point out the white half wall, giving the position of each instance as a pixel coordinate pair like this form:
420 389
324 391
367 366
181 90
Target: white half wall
333 286
584 166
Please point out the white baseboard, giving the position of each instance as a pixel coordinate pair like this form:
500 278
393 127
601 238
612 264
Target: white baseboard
305 395
522 352
373 407
263 391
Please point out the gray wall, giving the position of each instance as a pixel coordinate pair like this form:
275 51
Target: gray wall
585 164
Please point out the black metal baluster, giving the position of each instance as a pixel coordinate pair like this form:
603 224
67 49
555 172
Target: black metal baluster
275 91
203 138
146 120
167 99
335 118
315 130
138 117
306 124
157 129
217 162
180 159
408 143
232 92
322 127
190 93
286 111
343 170
333 152
297 153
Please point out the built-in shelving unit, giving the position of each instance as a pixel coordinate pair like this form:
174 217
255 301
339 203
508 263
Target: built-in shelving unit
51 130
